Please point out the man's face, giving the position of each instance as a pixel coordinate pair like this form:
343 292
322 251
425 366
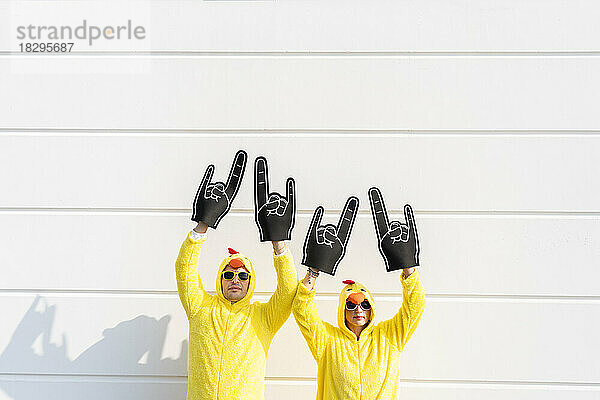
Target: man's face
234 289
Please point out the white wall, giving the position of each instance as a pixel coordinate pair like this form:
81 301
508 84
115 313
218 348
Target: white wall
482 115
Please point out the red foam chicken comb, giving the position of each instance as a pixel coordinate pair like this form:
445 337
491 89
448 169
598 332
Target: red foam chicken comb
348 282
232 251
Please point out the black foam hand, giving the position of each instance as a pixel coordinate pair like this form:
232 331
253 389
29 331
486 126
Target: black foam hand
274 214
325 246
398 242
213 200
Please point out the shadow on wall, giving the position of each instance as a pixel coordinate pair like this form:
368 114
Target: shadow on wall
130 348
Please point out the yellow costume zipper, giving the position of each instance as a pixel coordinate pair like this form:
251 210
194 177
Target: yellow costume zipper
359 369
222 351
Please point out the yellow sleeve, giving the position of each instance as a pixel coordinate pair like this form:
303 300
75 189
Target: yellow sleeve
401 327
278 308
189 285
307 317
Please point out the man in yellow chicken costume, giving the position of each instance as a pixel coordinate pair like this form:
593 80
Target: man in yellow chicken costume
229 336
359 359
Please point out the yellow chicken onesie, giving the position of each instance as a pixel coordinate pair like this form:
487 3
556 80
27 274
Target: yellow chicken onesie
228 344
367 368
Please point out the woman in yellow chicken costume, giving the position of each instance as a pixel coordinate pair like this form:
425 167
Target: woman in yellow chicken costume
359 359
229 336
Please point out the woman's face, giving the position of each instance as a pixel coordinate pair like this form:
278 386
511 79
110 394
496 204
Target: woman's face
358 316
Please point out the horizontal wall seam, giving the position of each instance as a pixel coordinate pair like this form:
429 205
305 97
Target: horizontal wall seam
290 379
322 295
288 132
247 212
309 53
595 385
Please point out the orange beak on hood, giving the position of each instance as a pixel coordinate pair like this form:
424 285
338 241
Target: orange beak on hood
237 263
356 298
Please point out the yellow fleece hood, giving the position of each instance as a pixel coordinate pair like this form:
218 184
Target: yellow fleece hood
354 287
249 266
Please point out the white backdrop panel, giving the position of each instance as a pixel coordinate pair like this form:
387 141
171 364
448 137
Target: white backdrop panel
431 172
508 255
458 339
390 25
122 387
222 92
93 388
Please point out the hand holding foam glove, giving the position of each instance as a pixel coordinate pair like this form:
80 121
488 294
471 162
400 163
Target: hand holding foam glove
213 200
398 242
274 214
325 245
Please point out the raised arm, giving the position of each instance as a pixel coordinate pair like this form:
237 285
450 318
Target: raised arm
401 327
275 215
307 317
399 246
212 202
310 279
189 285
278 308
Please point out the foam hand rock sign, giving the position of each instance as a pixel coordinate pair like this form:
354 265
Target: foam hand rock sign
325 245
213 200
398 242
275 214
